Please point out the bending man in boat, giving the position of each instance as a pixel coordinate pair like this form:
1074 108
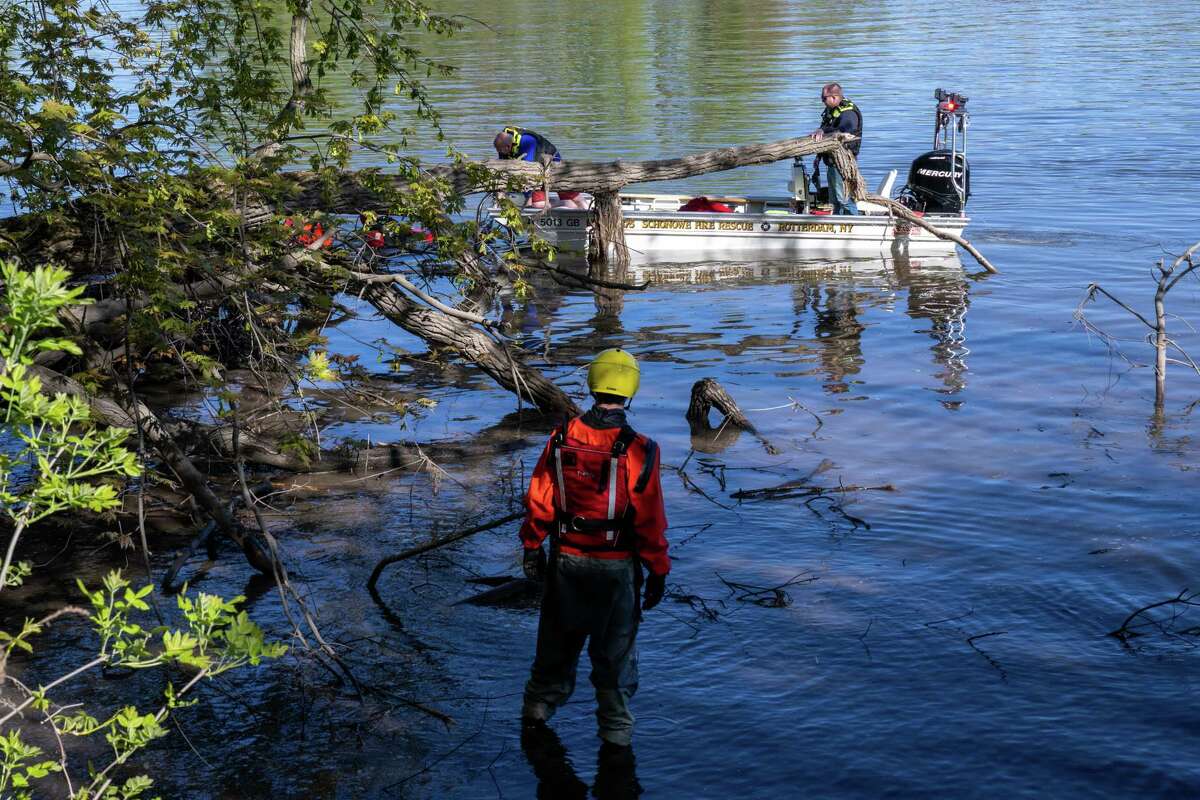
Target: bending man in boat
840 116
522 144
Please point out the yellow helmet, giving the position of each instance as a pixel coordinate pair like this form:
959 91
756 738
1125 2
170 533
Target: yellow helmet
614 372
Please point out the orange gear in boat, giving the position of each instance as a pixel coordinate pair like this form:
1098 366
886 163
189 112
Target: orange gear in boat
311 232
704 204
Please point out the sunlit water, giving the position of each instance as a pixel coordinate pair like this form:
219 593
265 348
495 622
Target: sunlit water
952 639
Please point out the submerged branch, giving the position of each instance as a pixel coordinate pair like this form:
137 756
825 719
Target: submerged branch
436 543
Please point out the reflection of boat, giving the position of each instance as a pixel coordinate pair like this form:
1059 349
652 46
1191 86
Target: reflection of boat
797 226
701 272
833 294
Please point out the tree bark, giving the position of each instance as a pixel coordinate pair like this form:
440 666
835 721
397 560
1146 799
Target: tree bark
707 393
1160 344
607 243
472 344
595 177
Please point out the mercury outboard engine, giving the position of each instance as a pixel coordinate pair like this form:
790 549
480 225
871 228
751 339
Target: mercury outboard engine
939 182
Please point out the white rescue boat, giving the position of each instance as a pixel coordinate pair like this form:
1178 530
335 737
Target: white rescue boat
800 226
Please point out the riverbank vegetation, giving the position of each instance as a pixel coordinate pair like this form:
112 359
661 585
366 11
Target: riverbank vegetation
183 207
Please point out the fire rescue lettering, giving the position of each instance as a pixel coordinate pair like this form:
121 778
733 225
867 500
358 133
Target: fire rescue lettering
699 225
722 225
680 224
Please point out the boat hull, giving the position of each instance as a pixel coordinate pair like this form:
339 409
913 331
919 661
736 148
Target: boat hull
652 234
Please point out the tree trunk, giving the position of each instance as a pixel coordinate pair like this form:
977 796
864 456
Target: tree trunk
1160 345
607 242
472 344
350 194
706 393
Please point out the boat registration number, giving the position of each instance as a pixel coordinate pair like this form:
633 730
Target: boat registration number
558 222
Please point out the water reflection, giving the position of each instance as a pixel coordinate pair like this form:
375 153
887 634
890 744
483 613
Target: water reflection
616 768
838 331
609 305
830 301
944 303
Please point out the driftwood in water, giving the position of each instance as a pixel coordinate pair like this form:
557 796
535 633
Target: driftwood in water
471 343
510 590
708 394
1139 619
1165 279
137 416
793 489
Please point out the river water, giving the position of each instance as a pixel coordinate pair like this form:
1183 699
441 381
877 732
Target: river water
944 638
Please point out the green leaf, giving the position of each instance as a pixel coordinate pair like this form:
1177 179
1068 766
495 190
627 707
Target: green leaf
52 109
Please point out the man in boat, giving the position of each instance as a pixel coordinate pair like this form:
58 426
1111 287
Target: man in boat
522 144
596 495
840 116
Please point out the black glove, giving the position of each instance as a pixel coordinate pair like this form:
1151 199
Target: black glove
534 563
656 585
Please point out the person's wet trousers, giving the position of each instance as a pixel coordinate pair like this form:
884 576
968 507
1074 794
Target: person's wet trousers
595 601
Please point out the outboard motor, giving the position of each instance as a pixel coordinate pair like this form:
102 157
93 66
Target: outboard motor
939 182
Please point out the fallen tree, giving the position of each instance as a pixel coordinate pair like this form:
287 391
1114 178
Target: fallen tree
202 259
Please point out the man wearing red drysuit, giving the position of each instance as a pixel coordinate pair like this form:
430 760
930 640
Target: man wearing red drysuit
596 494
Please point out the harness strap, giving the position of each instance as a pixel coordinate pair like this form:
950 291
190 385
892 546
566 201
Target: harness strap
620 446
624 439
647 467
597 548
618 533
556 443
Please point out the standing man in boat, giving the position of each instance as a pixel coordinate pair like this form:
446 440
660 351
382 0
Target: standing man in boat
522 144
839 116
595 493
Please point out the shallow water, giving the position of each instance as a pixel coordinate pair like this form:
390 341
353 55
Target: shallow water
951 640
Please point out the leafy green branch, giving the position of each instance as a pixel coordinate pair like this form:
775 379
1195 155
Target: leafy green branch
62 454
217 638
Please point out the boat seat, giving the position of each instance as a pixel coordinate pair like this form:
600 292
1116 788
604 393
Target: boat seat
885 185
884 190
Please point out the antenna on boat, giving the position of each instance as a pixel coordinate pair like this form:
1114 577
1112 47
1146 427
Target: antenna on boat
952 118
939 182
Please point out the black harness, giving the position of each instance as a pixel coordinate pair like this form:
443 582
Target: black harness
830 118
577 526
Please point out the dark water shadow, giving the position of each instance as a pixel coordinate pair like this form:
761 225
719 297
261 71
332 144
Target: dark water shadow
616 768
